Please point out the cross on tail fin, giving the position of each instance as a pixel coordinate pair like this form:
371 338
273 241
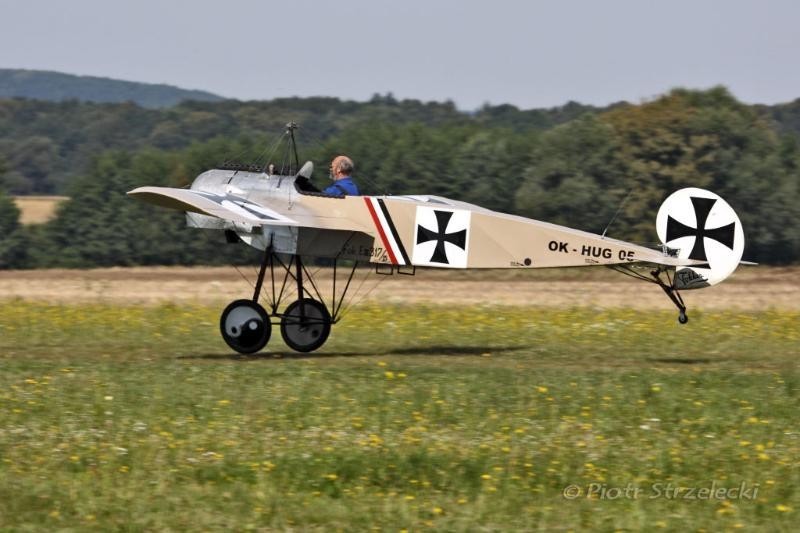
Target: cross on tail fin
703 227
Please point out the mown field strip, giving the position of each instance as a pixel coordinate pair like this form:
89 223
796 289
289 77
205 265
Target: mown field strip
750 288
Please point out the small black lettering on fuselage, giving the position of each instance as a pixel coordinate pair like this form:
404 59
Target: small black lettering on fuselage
595 251
558 246
372 252
626 255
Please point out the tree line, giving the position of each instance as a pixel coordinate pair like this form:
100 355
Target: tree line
47 144
569 166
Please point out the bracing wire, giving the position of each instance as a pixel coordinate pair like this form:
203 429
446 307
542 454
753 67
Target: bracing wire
352 302
621 205
244 277
349 299
286 161
270 149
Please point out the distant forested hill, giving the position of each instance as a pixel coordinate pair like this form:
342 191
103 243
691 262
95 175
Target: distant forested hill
56 87
785 116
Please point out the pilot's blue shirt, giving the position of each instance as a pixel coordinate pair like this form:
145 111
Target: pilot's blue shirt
343 186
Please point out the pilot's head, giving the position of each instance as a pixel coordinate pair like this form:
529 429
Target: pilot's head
341 167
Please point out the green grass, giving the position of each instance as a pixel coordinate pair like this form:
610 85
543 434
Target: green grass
139 418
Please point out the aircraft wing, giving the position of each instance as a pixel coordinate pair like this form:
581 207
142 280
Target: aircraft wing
227 207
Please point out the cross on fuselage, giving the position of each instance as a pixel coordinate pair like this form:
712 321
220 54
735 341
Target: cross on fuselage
702 207
457 238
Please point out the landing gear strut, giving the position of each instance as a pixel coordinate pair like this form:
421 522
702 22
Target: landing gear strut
666 282
306 322
673 295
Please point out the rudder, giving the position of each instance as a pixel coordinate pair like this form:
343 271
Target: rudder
701 226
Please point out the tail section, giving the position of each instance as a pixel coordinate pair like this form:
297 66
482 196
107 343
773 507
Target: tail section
701 226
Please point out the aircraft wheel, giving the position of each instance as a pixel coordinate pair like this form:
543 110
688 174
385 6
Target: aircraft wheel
245 326
309 332
682 318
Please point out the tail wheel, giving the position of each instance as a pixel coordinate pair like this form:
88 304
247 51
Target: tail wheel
305 325
245 326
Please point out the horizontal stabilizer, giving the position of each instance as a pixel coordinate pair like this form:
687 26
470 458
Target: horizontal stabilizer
228 207
669 261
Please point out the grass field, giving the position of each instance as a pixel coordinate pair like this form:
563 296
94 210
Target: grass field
37 209
414 416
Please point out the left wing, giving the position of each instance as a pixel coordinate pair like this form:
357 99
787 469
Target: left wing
229 207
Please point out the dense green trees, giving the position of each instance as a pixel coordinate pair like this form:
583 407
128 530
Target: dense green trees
785 117
576 173
49 143
12 239
575 176
583 170
101 226
10 243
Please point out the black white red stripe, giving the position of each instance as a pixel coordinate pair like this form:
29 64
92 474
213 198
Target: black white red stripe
387 231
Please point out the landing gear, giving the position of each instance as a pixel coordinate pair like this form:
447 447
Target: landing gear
673 294
305 323
245 326
661 277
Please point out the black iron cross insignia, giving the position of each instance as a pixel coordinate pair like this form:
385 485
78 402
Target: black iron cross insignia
458 238
702 207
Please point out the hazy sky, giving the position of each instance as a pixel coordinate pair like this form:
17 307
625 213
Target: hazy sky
527 53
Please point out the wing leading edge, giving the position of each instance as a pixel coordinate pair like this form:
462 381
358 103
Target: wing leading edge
228 207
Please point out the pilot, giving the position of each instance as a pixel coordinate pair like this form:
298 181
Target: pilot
341 170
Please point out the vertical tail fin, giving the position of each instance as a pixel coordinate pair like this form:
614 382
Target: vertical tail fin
701 226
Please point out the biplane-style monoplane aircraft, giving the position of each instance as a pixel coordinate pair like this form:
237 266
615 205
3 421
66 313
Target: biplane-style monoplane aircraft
284 215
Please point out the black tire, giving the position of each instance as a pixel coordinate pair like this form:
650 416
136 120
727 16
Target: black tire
682 318
245 326
308 334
